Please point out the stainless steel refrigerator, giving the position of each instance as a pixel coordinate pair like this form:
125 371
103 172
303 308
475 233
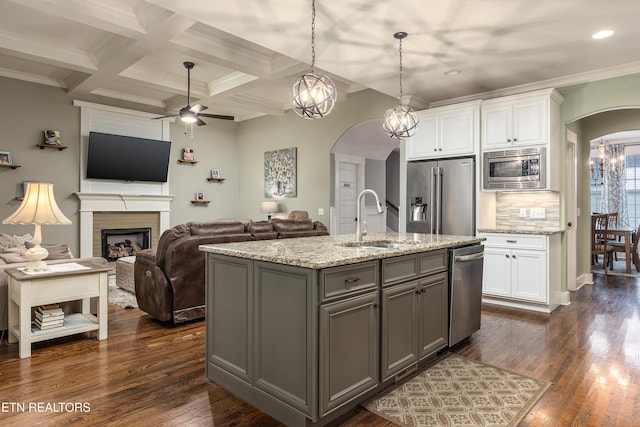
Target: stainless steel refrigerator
441 196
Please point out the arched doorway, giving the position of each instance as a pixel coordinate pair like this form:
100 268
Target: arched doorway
360 160
588 128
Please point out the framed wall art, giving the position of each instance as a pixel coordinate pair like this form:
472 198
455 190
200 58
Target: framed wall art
280 173
5 158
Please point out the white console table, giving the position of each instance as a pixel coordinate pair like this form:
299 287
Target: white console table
72 281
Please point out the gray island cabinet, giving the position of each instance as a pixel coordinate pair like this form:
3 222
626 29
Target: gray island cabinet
305 329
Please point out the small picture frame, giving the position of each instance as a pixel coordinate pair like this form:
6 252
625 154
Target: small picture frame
5 158
52 137
187 154
215 173
199 195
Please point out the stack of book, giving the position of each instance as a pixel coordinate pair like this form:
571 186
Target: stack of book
49 316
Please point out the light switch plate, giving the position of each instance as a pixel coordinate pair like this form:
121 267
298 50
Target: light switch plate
538 213
320 211
523 212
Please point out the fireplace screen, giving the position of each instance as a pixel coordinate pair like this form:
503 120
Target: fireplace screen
122 242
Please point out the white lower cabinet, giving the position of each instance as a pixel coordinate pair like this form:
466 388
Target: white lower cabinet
522 270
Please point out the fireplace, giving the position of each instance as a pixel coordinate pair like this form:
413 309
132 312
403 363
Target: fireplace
122 242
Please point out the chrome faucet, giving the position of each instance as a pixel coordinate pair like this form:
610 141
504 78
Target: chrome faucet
359 232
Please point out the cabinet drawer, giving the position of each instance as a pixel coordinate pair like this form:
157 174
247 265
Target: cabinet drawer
342 281
399 269
407 267
519 241
433 262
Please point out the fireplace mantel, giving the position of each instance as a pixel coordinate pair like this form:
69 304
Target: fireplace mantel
112 202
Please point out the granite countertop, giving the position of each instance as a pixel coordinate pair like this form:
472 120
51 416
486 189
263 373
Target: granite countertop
520 230
330 251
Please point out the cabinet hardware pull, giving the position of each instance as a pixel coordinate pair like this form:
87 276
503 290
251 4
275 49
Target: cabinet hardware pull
507 255
350 281
513 256
512 241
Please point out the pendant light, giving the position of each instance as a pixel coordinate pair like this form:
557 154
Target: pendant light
401 121
313 94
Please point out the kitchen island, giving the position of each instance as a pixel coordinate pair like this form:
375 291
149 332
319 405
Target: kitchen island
305 329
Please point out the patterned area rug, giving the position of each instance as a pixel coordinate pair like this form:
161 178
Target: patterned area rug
457 391
119 296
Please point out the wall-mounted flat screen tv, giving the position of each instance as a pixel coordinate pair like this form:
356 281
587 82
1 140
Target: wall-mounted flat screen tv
127 158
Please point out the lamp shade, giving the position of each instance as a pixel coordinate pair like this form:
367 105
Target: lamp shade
38 207
268 207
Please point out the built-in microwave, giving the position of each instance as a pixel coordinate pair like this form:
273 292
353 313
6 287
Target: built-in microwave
523 169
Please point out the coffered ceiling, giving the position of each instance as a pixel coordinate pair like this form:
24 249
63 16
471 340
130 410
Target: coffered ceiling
247 53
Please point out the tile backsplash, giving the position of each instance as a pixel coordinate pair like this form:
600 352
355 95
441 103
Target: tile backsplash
510 205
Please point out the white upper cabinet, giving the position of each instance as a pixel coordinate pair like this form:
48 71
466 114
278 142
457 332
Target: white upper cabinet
519 120
448 131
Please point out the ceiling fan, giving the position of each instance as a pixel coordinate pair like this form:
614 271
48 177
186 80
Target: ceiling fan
189 114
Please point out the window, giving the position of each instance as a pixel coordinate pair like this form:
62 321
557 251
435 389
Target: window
632 184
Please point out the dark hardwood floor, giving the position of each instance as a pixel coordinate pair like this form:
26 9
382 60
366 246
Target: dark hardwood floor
150 374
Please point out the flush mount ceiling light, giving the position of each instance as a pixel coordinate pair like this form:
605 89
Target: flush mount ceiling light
313 94
602 34
401 121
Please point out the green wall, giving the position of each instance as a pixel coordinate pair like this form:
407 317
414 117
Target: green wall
26 110
313 140
597 108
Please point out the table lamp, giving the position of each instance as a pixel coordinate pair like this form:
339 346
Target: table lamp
268 207
38 207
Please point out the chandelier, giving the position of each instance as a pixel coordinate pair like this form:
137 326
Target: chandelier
401 121
313 94
612 160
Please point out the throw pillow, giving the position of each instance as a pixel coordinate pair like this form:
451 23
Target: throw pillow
15 251
9 241
12 258
55 251
26 237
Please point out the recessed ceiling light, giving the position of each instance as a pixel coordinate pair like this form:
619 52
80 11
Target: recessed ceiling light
453 72
602 34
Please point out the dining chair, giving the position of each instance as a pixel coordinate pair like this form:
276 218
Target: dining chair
599 241
615 241
634 248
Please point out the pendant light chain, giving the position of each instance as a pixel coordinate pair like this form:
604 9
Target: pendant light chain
400 69
313 34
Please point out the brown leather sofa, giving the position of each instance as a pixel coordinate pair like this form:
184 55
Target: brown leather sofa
170 280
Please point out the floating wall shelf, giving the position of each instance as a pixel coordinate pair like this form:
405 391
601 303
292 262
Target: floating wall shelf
216 179
187 161
201 202
57 147
9 166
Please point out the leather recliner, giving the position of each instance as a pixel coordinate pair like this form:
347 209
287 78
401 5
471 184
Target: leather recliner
170 280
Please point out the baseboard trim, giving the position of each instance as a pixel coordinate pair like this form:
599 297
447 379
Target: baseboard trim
584 279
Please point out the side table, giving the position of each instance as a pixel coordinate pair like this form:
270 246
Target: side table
72 281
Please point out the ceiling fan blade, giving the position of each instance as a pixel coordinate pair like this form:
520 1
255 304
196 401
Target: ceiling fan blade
217 116
164 117
200 122
197 108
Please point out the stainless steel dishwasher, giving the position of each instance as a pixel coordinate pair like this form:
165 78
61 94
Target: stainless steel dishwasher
465 295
